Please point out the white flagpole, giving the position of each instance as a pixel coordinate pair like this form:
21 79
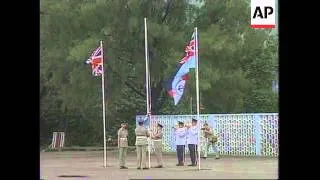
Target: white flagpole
191 105
103 112
151 123
197 90
147 83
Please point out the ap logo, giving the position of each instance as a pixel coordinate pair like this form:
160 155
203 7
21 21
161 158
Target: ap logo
263 14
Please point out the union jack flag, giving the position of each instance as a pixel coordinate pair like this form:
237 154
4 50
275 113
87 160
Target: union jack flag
96 61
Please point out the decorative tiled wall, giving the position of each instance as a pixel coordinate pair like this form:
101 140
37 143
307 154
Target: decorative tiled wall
238 134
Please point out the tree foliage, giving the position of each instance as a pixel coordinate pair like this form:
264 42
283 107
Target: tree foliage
237 63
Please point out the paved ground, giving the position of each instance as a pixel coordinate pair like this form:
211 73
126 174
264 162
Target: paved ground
90 164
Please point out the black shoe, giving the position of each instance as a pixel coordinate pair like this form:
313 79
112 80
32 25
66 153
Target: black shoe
123 167
217 157
203 157
160 166
180 164
192 165
138 167
145 168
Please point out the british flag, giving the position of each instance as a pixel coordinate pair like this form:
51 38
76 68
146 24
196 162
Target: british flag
96 61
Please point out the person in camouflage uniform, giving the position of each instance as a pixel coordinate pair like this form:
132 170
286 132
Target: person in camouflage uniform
211 141
157 141
123 145
142 135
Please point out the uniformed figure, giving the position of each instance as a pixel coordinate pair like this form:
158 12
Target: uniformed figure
123 145
142 135
157 142
211 141
180 134
193 141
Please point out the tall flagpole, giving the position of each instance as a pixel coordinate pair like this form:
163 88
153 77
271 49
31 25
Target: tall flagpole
147 84
197 90
191 105
151 124
103 111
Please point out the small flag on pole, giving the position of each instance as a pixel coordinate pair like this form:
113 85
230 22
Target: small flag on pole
96 62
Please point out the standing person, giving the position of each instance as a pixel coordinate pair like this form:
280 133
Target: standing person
157 141
142 135
123 144
193 141
180 134
211 139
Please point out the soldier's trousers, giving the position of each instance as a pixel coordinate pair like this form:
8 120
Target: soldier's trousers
180 153
193 153
214 148
141 156
122 156
158 151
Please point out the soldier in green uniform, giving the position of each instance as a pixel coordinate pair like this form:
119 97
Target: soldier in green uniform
142 135
157 141
211 141
123 144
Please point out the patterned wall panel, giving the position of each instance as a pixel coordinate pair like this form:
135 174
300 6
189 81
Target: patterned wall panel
269 135
238 134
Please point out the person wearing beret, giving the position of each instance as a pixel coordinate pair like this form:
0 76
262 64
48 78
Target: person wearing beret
180 135
123 144
142 135
157 142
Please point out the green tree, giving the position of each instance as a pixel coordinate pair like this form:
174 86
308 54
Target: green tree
236 62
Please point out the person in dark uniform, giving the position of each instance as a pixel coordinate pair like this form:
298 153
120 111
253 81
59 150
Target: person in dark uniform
193 141
180 134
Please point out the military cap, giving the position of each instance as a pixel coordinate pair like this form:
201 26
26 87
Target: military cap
180 122
194 120
160 125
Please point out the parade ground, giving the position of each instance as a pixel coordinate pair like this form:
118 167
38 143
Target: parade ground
89 165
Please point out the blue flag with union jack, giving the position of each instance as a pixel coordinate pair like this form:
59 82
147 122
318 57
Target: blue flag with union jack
176 84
